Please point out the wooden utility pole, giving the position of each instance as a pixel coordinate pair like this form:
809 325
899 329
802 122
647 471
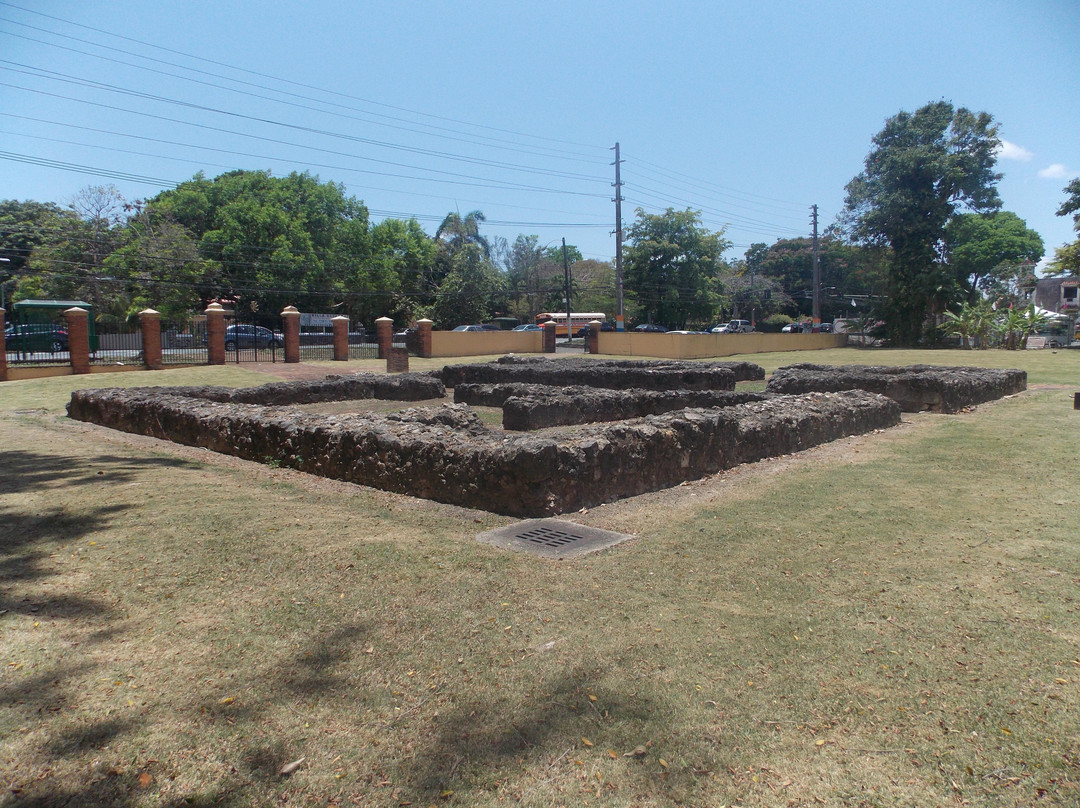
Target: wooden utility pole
566 277
620 323
817 272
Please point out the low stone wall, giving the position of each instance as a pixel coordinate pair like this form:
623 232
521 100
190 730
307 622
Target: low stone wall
404 387
446 454
744 371
532 406
561 373
915 387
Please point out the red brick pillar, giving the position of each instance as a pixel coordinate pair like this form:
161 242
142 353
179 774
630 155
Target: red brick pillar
549 337
592 341
341 338
424 327
384 332
215 334
3 349
78 329
150 325
290 319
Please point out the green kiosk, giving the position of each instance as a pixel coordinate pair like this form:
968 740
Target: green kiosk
37 326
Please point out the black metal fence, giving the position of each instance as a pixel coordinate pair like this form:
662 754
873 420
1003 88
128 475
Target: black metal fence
117 343
32 340
253 337
183 341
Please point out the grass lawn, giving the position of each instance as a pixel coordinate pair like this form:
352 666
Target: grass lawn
888 620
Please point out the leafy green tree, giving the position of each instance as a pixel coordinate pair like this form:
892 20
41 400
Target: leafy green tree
847 270
530 276
466 292
157 264
24 227
1067 257
402 255
671 266
923 168
594 286
274 241
70 263
992 252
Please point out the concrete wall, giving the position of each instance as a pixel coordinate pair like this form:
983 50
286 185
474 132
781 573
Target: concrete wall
481 343
700 346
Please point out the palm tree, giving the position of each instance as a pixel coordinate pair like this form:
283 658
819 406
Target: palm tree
961 324
457 231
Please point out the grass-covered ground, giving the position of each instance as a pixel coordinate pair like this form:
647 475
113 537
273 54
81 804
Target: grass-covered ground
888 620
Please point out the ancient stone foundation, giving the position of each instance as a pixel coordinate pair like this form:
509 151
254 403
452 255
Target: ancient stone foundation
528 407
407 387
915 387
744 371
609 375
446 454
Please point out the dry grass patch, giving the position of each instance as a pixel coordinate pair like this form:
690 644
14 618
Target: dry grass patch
887 620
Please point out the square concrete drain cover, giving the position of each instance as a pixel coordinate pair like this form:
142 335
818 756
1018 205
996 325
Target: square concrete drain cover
552 538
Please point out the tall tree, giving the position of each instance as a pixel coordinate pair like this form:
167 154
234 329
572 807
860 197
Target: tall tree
923 168
671 265
1067 257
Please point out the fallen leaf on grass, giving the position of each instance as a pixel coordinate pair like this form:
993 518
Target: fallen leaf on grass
145 780
637 751
289 768
586 741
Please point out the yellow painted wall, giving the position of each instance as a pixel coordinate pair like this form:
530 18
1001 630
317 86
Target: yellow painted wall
479 343
701 346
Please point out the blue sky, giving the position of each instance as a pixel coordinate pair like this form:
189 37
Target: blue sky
750 115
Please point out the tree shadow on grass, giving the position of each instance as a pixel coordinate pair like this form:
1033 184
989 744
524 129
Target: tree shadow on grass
480 738
25 542
25 471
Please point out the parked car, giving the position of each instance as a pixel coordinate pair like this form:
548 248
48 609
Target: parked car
651 328
796 328
35 337
825 328
472 328
527 327
686 332
736 327
584 330
251 336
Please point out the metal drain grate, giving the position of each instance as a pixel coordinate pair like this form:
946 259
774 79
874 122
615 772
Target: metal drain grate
552 538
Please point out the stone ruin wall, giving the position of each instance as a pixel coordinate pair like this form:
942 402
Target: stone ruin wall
915 387
527 407
446 454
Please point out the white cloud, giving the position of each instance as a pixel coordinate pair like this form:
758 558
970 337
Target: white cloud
1054 172
1010 151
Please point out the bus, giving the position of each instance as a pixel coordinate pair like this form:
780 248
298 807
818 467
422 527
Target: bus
577 320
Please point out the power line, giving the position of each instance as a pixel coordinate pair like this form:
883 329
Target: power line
428 130
290 81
